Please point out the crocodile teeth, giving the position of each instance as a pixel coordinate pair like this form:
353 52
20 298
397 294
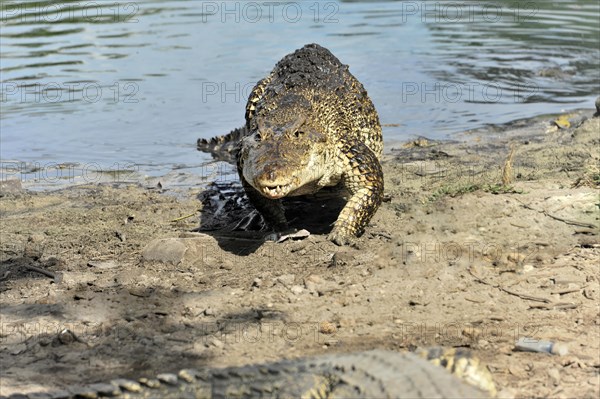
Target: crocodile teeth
275 191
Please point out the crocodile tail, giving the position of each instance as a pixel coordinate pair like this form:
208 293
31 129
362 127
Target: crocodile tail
223 148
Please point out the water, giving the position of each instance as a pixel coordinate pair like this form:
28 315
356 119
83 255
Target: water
122 85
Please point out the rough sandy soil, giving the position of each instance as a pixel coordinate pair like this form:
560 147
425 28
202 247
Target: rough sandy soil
453 258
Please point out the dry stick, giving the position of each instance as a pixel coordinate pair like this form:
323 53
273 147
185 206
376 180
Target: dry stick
48 273
517 294
567 221
183 217
507 170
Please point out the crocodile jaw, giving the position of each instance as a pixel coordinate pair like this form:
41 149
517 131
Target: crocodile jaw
276 191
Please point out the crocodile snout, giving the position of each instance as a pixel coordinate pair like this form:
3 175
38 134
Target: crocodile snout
273 181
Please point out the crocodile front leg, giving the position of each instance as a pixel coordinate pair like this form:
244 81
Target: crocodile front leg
363 177
270 209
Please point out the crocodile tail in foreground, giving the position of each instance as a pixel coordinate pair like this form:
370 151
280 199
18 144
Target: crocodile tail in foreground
371 374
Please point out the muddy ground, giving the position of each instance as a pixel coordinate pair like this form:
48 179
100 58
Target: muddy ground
454 257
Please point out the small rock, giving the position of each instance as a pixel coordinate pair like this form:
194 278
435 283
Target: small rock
286 280
326 327
217 343
296 289
528 268
554 375
483 344
209 312
65 337
166 250
150 382
102 265
188 375
257 282
343 258
226 264
169 379
128 385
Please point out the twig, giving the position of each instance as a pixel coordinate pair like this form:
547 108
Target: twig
184 217
517 294
57 277
560 305
525 296
507 170
567 221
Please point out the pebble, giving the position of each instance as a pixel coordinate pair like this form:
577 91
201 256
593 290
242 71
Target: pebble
343 258
257 282
286 279
326 327
128 385
554 375
217 343
209 312
528 268
66 337
170 379
296 289
102 265
150 382
166 250
188 375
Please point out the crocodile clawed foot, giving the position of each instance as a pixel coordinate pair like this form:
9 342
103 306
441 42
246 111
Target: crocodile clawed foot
341 238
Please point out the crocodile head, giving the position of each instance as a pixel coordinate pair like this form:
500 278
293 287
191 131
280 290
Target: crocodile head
284 154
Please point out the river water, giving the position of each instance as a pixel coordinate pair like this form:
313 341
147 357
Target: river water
115 84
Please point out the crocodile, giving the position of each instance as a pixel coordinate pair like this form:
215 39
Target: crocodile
369 374
310 124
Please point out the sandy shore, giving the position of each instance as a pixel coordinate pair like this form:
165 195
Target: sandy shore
481 241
